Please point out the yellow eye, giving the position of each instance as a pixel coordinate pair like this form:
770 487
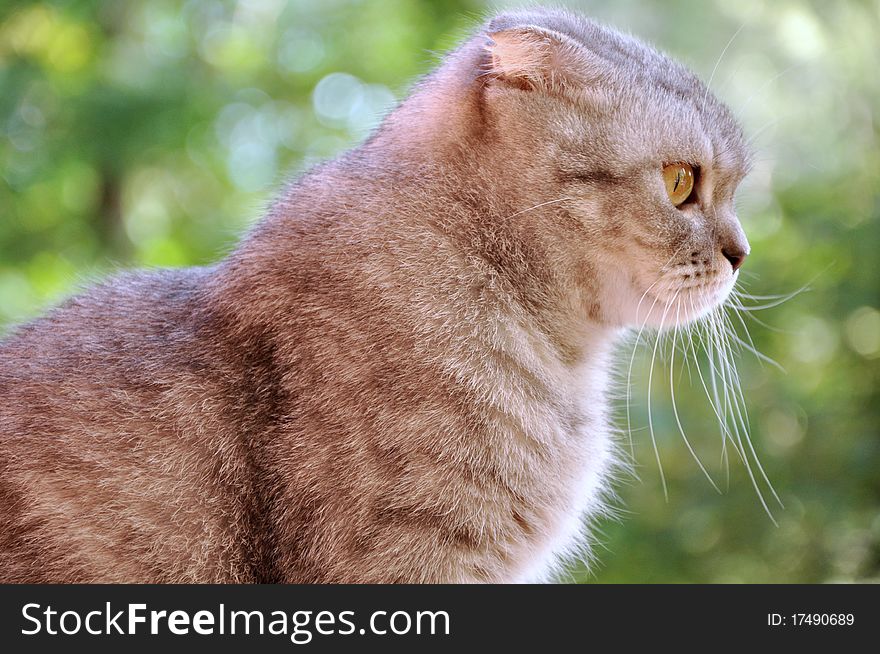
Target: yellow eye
679 181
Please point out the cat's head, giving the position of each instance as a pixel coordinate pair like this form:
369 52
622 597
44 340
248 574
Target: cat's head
608 130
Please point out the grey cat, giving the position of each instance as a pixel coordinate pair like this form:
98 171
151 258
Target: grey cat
400 375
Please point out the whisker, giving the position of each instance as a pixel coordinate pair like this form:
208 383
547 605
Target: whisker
733 401
538 206
750 346
763 86
650 415
675 408
743 418
636 345
718 63
763 324
632 360
716 404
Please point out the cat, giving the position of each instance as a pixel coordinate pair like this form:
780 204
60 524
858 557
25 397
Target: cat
401 373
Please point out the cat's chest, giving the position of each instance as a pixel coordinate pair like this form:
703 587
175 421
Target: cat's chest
578 498
563 487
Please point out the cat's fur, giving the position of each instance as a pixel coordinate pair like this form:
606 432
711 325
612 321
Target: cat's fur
400 374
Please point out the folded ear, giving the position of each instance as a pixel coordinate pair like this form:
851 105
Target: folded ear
533 58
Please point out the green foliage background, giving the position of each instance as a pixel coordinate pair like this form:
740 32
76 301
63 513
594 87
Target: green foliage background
151 133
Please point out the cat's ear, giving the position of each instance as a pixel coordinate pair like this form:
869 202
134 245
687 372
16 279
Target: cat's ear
532 58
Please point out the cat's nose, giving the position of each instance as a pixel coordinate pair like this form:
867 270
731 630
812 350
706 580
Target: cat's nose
735 254
732 240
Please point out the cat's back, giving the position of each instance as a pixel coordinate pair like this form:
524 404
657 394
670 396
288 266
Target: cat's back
134 329
106 402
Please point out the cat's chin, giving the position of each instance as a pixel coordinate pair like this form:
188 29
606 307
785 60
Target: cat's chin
696 301
683 304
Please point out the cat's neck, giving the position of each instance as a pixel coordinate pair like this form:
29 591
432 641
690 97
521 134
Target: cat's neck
430 246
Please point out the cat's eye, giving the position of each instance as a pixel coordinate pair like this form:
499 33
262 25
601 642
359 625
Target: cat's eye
679 180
